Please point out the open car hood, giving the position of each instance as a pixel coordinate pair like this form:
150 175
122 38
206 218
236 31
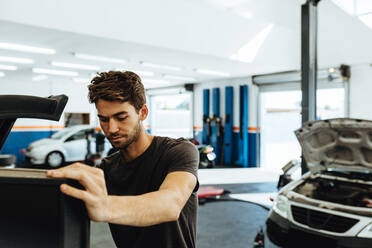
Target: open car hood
337 143
21 106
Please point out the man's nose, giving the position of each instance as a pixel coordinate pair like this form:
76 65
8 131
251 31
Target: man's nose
113 127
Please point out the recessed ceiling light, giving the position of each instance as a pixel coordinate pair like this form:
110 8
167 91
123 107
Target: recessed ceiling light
174 77
76 66
39 77
213 73
55 72
24 48
81 80
2 74
166 67
16 60
99 58
8 67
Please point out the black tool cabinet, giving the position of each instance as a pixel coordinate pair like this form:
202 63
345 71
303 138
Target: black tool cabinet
35 213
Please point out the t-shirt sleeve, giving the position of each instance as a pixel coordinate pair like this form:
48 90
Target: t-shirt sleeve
184 157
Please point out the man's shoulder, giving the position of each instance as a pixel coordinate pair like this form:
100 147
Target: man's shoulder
168 143
112 158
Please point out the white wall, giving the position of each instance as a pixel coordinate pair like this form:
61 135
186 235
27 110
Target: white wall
222 83
77 93
361 92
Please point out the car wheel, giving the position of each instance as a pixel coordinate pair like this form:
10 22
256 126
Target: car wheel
54 159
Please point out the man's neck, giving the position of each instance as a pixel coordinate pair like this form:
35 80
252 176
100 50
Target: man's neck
138 147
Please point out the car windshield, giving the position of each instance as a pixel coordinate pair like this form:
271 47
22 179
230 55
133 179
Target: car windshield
362 175
60 134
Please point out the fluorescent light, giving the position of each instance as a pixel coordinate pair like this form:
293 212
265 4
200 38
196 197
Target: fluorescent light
166 67
99 58
23 48
81 80
76 66
2 74
39 77
16 60
248 52
173 77
8 67
55 72
213 73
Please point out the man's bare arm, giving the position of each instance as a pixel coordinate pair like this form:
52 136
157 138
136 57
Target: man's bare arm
148 209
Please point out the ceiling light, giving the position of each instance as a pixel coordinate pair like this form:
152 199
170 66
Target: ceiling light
76 66
39 77
23 48
331 70
2 74
55 72
16 60
81 80
99 58
8 67
213 73
166 67
173 77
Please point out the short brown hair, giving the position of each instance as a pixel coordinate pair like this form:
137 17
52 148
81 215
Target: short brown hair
118 86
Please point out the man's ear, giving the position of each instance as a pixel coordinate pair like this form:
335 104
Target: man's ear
144 111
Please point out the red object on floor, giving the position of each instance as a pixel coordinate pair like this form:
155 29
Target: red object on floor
205 191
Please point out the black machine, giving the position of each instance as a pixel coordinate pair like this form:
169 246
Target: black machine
33 211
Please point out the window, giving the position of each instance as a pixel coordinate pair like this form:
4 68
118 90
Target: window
171 115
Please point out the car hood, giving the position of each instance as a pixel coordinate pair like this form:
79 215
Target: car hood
337 143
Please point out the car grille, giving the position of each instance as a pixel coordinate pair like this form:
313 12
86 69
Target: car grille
322 220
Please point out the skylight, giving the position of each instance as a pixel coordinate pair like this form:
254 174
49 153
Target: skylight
362 9
248 52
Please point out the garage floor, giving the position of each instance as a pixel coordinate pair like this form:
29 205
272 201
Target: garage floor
223 224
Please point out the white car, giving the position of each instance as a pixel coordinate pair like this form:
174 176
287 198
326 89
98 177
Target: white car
331 205
67 145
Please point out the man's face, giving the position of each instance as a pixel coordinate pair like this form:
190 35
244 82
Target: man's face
120 122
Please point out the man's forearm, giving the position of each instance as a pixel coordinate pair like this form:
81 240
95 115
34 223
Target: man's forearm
144 210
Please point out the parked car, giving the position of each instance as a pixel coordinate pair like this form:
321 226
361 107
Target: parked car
331 205
68 145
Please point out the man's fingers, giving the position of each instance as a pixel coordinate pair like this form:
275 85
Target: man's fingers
79 173
74 192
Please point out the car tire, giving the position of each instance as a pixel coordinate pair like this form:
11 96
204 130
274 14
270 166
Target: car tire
7 159
54 159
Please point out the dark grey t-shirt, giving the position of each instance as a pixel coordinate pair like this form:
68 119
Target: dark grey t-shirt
145 174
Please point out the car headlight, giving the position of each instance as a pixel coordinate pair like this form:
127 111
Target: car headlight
366 232
281 206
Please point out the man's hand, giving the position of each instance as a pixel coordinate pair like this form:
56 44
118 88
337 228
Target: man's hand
95 194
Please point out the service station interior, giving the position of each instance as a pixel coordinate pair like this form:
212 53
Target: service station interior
276 96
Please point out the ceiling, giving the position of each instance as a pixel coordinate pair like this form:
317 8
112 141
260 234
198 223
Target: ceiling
189 34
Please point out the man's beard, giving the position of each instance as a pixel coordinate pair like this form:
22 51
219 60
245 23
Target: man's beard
132 137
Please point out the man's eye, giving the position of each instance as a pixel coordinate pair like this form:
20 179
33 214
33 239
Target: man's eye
121 118
103 119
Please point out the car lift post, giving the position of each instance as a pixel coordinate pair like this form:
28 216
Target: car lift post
309 66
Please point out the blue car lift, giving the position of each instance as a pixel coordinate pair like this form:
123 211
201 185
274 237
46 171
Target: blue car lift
206 119
229 119
216 138
243 127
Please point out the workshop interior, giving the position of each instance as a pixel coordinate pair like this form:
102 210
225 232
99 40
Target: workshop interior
274 95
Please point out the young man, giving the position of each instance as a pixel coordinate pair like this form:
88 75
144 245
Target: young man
147 190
